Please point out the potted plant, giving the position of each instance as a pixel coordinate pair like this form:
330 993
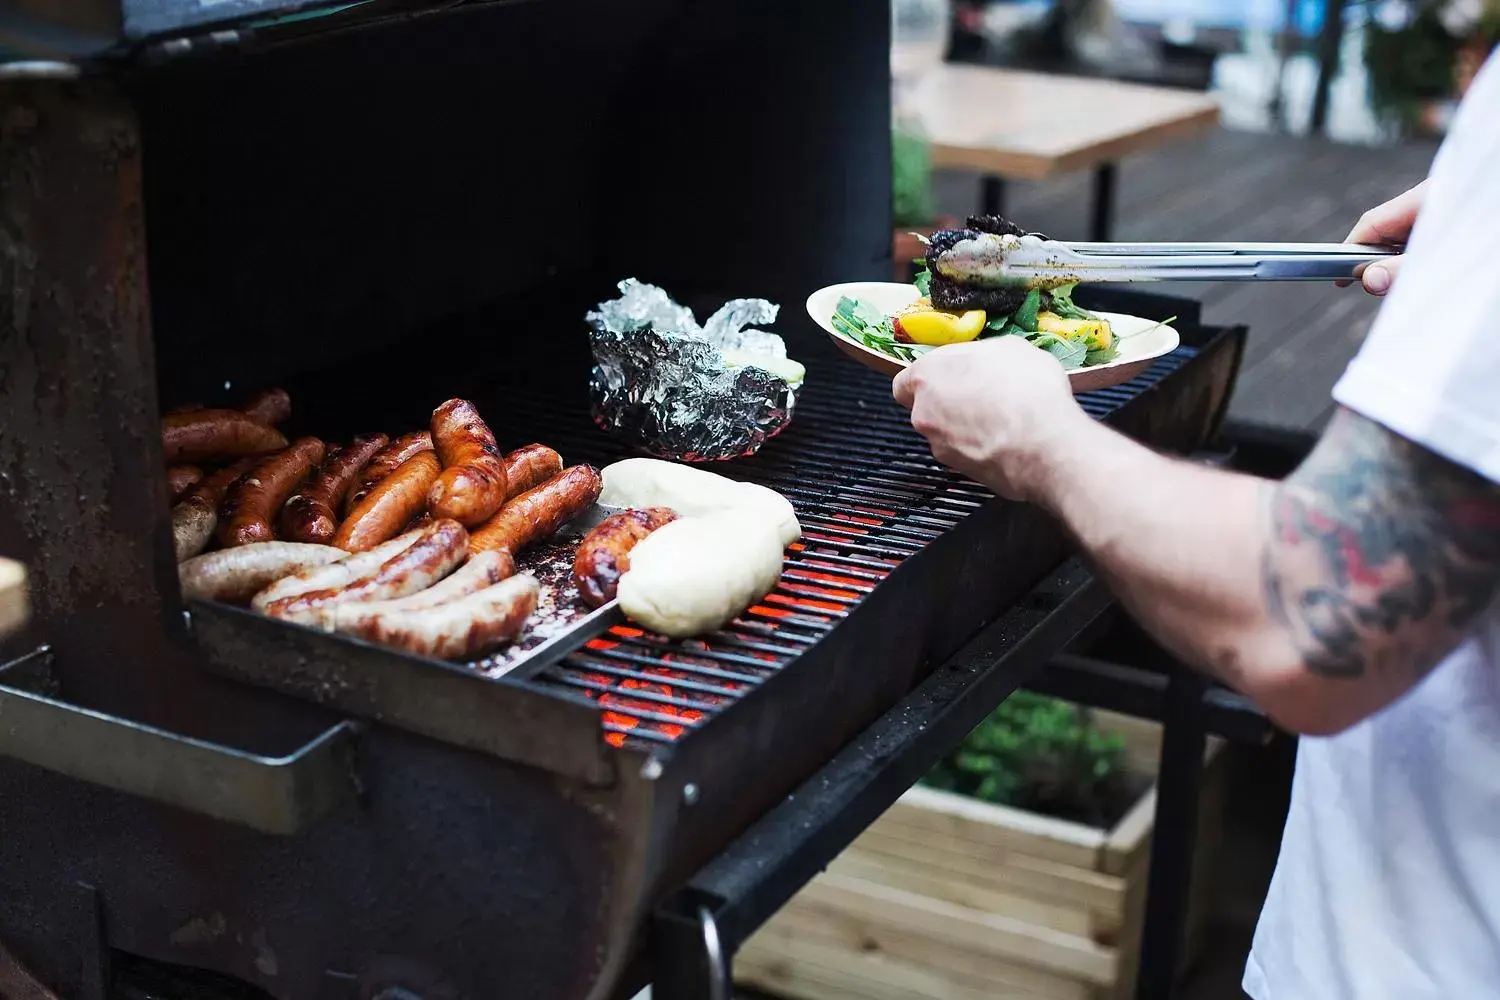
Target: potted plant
912 207
1017 866
1421 56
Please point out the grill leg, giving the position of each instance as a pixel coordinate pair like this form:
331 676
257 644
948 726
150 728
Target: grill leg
992 195
689 958
1105 180
1176 830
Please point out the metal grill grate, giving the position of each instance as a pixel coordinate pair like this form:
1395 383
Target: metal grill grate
868 494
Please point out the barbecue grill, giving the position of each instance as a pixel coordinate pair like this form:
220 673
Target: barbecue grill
379 212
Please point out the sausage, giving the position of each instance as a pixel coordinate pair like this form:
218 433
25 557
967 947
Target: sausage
537 513
530 466
422 520
395 454
438 550
604 554
461 629
309 515
472 485
336 574
391 505
235 575
196 515
180 478
483 570
212 435
269 406
255 500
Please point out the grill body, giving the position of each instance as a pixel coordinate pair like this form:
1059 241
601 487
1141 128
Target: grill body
377 223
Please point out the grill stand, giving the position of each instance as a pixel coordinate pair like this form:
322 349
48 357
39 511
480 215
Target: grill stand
697 931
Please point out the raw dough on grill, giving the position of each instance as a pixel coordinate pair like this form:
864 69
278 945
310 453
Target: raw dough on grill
650 482
695 574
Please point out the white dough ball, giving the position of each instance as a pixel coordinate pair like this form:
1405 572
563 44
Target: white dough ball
697 573
691 492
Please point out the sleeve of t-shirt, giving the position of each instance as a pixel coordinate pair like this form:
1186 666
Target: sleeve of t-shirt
1430 368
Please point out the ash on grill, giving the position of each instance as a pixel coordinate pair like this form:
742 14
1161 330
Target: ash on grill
559 608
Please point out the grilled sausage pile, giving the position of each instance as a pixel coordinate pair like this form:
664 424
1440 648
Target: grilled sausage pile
408 542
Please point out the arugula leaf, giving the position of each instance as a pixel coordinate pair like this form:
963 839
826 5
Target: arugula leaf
861 321
995 326
923 280
1071 354
1025 317
1105 356
1063 305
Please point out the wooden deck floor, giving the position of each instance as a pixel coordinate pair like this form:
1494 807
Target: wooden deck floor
1242 186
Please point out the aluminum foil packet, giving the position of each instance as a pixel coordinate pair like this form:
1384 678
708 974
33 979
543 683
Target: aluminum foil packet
666 384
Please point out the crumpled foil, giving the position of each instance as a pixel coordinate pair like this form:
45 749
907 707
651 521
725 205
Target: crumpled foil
659 380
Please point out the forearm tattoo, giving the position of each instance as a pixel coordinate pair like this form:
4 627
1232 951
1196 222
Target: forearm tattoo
1380 554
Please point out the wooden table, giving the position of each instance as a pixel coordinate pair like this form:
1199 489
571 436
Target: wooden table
1014 125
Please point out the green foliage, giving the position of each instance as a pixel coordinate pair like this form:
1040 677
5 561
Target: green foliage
1414 64
1038 753
911 178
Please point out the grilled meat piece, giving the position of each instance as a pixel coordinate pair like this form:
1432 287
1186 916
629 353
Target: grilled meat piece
954 296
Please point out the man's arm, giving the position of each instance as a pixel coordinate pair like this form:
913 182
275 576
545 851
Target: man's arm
1324 597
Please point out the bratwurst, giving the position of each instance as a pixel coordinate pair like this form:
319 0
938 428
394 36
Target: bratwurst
437 551
472 485
604 554
253 501
309 515
539 512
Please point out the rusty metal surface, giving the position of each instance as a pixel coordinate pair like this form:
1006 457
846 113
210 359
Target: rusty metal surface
81 502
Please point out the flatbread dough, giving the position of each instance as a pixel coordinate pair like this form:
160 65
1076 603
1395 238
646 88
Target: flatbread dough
691 492
697 573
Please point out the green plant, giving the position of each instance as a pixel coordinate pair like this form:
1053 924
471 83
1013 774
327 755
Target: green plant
1039 753
1410 55
911 177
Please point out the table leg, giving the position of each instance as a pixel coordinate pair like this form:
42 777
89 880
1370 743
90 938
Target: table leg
1173 839
1105 176
992 195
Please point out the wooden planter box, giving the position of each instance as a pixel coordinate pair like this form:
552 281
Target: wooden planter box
948 898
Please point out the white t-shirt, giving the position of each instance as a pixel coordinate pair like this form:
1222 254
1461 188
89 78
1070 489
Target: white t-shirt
1388 884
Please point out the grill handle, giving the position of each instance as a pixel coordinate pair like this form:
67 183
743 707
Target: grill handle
275 795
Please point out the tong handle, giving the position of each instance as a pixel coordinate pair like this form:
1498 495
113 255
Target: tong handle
1223 261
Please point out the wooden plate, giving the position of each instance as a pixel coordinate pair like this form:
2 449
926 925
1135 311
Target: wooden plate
1142 341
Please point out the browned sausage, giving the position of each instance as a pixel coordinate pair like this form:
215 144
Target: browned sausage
252 503
309 515
604 554
196 515
422 520
235 575
530 466
269 406
473 481
211 435
181 477
483 570
391 505
460 629
394 455
537 513
336 574
436 553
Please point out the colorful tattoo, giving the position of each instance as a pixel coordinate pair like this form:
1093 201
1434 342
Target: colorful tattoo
1381 554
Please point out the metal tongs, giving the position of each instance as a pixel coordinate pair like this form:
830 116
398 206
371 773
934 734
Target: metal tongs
1033 261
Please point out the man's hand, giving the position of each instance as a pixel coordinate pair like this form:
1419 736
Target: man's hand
1388 223
994 410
